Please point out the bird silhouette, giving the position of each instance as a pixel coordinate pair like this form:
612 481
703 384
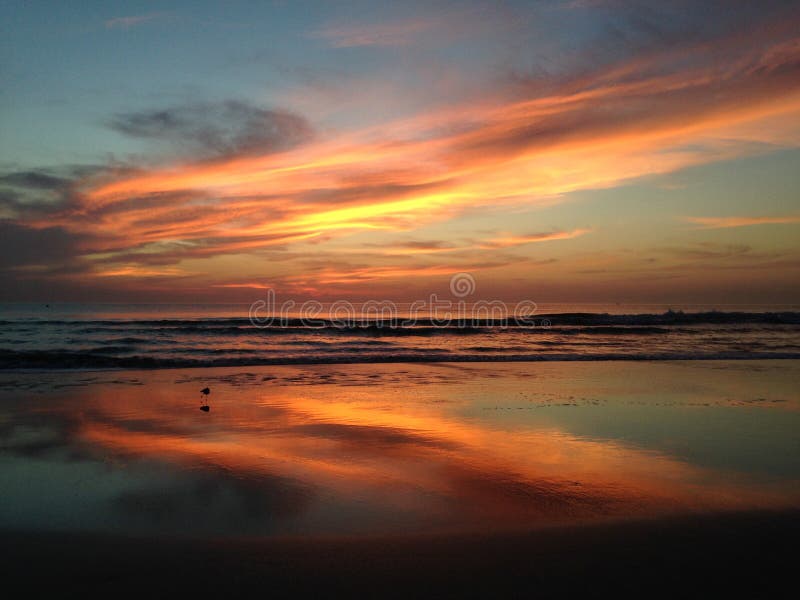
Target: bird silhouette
205 392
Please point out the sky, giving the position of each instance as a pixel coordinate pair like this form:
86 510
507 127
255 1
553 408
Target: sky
557 151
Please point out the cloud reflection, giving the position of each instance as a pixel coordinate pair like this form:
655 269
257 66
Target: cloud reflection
285 456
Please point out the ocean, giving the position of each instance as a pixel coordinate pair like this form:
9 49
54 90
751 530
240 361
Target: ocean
501 434
101 336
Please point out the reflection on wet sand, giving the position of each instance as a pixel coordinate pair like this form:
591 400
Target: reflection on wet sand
284 458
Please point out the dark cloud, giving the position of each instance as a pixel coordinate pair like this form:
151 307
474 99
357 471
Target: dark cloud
41 262
35 192
37 180
215 130
21 245
9 198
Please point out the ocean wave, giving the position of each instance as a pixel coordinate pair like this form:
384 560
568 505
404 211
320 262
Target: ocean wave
55 360
180 342
218 325
374 330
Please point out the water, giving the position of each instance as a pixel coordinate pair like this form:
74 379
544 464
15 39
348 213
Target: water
381 449
169 336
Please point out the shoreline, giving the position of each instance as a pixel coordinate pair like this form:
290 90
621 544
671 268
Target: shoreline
138 364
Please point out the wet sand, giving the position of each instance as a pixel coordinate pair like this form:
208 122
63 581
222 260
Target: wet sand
398 480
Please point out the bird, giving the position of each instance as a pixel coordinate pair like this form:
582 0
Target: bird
205 392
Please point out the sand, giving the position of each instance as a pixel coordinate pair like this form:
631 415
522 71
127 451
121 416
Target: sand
750 553
402 480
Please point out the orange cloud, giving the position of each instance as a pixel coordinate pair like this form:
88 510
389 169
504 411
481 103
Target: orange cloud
642 117
136 271
332 276
533 238
254 286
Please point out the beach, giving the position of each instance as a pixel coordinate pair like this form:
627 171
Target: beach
344 475
399 299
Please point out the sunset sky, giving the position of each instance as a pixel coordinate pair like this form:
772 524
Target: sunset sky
574 151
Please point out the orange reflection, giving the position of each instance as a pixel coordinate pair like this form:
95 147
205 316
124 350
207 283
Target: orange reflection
406 448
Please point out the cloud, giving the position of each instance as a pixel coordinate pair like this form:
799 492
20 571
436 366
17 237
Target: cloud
414 247
36 180
710 251
650 123
398 33
252 179
32 193
245 285
727 256
37 261
225 129
320 276
138 271
728 222
23 246
532 238
439 26
132 20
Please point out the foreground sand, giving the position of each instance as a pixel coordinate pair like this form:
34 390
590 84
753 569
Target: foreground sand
751 554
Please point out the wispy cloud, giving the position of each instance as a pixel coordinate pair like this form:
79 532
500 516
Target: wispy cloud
643 115
728 222
531 238
345 274
129 21
137 271
406 248
246 285
397 33
439 26
223 129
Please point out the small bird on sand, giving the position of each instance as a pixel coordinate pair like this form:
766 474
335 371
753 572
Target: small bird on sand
205 392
